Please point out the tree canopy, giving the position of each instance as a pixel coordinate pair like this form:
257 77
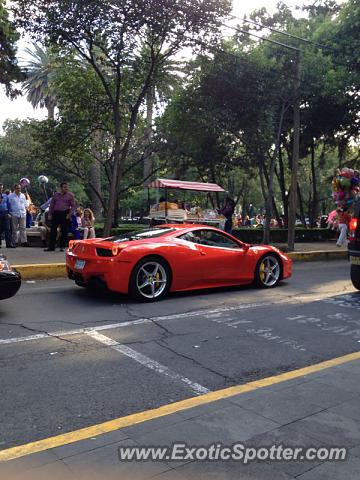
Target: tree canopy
9 69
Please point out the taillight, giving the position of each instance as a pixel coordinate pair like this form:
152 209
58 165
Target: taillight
72 244
353 227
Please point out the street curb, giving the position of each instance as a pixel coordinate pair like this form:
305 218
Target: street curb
41 271
58 270
318 256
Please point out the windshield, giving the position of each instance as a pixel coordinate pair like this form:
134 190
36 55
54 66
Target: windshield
140 234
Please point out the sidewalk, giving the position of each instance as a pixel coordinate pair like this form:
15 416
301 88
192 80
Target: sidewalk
35 255
32 255
320 409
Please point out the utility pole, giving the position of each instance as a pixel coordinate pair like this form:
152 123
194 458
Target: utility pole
293 197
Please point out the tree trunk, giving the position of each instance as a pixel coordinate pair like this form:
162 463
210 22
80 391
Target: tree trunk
148 159
116 214
295 158
301 206
275 210
95 173
282 185
115 174
270 201
268 214
315 201
51 111
265 195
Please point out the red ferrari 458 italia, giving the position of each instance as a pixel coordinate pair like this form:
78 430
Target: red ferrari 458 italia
150 263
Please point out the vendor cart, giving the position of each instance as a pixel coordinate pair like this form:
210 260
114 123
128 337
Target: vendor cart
169 212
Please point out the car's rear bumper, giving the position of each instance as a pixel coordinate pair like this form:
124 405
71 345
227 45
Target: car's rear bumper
10 282
109 272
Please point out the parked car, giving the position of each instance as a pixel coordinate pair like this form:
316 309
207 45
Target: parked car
10 279
154 261
354 246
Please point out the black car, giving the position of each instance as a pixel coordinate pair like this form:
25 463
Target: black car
10 279
354 246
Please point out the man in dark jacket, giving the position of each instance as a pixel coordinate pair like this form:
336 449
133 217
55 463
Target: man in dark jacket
228 212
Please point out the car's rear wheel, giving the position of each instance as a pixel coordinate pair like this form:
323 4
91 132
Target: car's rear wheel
355 276
150 280
268 272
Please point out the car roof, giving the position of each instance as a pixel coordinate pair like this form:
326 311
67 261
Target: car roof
186 226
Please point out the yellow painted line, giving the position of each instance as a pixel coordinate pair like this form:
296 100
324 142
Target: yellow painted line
136 418
41 271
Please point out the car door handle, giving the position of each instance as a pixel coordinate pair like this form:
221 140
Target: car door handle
202 253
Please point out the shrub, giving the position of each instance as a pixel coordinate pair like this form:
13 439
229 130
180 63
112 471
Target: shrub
279 235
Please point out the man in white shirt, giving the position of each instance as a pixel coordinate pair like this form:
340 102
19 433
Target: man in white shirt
17 207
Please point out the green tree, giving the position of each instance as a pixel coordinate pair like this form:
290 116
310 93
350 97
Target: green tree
19 147
9 69
119 30
40 70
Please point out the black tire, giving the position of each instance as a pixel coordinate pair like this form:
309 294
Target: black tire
268 261
80 284
355 276
154 270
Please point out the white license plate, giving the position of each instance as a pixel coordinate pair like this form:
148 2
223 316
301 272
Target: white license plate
80 264
355 260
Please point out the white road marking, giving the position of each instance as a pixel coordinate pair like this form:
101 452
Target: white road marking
148 362
346 327
140 321
347 301
267 334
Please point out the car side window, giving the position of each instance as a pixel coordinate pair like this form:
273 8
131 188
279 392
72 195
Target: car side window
210 238
192 237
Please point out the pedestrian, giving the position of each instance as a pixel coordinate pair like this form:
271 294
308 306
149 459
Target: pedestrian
228 212
5 218
30 211
344 220
88 224
42 225
76 223
17 208
61 207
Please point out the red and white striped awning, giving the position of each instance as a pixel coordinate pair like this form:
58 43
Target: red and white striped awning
181 185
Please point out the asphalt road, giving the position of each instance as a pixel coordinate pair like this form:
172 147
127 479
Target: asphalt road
58 375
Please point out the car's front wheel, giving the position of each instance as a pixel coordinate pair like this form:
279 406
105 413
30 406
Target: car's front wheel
150 280
355 276
268 272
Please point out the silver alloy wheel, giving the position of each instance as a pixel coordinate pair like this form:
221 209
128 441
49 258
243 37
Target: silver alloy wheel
269 271
151 279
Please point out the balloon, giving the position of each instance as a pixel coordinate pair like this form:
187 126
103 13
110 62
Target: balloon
345 183
24 182
43 179
347 172
335 184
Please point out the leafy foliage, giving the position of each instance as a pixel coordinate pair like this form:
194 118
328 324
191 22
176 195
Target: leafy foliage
9 69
